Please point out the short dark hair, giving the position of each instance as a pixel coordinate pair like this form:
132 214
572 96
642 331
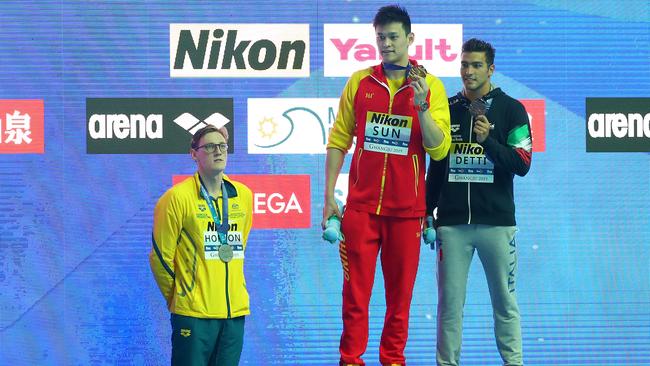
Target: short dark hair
391 14
477 45
206 130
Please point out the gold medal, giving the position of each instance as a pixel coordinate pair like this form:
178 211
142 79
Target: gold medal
418 71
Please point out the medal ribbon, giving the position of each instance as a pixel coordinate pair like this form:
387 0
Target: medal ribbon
398 67
222 228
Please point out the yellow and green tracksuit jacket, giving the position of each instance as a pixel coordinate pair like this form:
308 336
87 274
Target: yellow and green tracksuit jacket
192 284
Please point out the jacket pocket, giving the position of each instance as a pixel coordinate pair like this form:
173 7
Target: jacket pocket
416 173
356 169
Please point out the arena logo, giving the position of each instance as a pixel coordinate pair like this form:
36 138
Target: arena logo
290 125
22 126
152 126
618 124
121 126
279 201
239 50
345 54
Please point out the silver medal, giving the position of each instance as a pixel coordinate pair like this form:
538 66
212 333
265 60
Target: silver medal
225 253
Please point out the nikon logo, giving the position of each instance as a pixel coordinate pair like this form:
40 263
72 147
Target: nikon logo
468 149
239 50
618 124
386 119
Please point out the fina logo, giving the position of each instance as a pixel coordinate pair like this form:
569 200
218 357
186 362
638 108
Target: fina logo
268 128
290 125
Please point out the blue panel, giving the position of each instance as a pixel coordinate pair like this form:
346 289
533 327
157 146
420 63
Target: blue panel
75 228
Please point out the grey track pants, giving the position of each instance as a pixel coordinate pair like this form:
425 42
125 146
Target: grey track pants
496 249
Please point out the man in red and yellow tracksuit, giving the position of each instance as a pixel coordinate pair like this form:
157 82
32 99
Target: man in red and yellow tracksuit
396 116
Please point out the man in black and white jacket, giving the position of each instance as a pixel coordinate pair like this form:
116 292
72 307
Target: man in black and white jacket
472 190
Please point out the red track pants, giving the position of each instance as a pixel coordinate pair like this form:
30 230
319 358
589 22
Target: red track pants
398 239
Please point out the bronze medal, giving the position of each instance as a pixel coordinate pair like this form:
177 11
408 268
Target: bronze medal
477 107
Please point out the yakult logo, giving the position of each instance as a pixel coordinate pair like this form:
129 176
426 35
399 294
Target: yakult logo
239 50
279 201
350 47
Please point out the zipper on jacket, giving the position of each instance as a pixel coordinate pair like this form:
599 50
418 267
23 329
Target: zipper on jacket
227 294
469 201
383 181
383 174
390 96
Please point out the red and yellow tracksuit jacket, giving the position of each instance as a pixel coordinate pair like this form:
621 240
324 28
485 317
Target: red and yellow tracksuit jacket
388 165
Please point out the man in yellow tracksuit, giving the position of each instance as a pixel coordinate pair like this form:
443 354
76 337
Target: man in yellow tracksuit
200 230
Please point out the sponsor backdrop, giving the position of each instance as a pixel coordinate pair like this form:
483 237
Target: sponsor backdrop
99 99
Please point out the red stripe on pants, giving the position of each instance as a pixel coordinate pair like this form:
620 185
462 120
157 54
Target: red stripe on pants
398 239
